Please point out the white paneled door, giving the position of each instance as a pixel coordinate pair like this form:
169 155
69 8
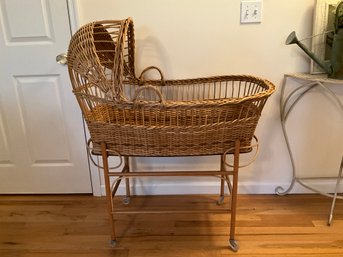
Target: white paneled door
42 148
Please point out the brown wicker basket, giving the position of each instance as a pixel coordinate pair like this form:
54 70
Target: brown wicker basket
139 117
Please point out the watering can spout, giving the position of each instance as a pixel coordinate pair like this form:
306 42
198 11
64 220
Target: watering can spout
292 39
334 66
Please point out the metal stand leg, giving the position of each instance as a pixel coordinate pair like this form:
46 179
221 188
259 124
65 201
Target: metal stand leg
222 181
108 193
125 174
126 199
335 193
232 242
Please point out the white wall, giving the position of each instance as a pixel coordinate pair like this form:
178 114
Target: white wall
194 38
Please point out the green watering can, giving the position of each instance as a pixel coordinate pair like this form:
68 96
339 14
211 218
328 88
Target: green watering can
333 67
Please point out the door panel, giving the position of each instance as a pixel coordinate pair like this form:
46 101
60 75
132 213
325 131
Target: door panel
42 147
23 26
38 97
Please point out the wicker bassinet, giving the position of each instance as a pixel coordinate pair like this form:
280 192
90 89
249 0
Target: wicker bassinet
138 117
131 116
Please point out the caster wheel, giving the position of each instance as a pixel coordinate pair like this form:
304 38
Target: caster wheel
113 243
233 245
126 200
220 200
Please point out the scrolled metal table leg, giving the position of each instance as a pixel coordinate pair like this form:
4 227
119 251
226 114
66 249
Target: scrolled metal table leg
335 193
285 109
281 191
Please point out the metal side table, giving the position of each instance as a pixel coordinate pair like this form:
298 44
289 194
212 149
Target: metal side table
308 82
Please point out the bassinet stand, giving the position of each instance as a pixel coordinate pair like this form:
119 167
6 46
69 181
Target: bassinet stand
126 173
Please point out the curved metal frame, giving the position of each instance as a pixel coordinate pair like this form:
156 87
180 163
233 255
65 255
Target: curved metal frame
285 108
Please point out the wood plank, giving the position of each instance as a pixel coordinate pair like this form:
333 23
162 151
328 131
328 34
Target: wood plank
77 225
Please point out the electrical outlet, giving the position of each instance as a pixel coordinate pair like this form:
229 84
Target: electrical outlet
251 11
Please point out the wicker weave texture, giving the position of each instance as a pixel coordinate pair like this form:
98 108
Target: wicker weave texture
139 117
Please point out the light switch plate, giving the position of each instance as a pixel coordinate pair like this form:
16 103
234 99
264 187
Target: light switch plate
251 11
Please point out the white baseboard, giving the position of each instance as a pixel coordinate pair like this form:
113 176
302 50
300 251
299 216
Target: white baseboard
213 188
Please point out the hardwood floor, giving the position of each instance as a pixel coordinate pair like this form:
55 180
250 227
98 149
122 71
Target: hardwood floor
76 225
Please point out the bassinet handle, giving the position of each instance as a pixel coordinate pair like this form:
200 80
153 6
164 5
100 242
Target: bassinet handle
141 80
146 86
249 162
89 152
